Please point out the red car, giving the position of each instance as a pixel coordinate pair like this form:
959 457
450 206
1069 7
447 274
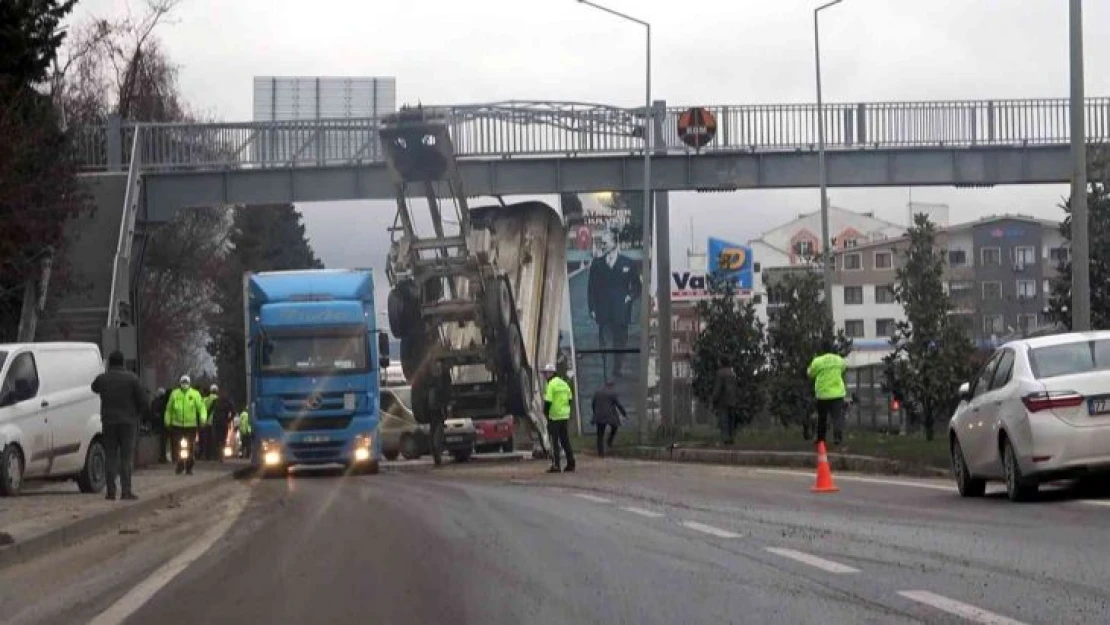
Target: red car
494 435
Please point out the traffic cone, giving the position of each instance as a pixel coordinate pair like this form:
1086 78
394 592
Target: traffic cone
824 472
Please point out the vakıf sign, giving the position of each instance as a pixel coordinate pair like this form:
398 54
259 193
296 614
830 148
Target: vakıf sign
686 286
730 260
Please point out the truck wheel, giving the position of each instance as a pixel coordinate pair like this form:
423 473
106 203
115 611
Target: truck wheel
390 455
11 471
403 307
520 391
95 474
370 468
408 447
421 402
413 350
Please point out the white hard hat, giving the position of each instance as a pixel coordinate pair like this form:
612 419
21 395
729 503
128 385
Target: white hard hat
213 388
549 368
184 380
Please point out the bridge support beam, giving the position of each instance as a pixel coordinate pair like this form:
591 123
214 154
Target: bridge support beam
923 166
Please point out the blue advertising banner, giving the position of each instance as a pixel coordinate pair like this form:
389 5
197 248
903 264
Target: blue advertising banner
731 260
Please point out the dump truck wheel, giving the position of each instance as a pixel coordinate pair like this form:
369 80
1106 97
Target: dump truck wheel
404 310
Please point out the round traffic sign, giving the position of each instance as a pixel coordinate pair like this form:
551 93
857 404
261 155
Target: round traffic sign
697 127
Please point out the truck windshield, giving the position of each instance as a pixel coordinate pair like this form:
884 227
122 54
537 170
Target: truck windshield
307 354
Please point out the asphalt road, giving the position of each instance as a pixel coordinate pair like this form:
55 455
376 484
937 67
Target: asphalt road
632 542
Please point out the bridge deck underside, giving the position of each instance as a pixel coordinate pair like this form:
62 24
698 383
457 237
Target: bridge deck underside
168 192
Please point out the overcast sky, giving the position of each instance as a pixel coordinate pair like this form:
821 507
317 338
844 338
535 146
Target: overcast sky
705 52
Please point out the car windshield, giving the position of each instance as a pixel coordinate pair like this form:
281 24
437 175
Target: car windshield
295 354
1070 358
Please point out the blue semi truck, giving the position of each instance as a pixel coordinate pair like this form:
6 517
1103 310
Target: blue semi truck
313 360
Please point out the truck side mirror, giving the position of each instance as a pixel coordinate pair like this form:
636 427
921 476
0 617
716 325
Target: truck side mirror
383 350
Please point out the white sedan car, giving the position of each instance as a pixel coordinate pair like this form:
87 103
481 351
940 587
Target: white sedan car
1039 410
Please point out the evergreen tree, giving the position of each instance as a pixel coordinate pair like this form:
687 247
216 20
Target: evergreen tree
799 326
732 336
38 177
1098 207
931 353
263 238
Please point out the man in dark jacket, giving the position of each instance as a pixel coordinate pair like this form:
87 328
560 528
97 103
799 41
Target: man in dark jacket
122 404
613 284
158 425
725 398
220 415
608 411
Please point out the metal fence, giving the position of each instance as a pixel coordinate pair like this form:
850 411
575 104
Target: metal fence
530 129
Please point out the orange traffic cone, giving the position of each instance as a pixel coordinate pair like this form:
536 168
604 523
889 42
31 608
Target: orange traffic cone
824 472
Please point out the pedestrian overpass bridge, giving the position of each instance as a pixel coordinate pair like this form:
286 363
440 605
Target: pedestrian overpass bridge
552 147
142 173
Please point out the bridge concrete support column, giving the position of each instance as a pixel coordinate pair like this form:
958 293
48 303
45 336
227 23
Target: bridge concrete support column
663 278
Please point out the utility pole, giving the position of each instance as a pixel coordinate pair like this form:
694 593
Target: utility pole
1080 220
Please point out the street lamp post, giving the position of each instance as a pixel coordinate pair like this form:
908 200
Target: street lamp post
1080 243
822 176
645 273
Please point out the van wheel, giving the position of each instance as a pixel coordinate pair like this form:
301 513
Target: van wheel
94 476
409 448
11 471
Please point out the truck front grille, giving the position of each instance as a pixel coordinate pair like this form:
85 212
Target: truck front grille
304 424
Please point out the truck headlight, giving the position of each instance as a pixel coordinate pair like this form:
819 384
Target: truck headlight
363 444
271 458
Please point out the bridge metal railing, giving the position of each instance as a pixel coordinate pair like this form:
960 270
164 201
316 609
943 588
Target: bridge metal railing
531 129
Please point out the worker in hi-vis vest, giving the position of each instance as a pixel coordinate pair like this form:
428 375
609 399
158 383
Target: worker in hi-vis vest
556 407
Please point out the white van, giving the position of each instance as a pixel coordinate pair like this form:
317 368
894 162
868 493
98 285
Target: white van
49 416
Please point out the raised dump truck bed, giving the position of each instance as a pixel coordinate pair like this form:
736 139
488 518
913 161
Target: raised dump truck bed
476 299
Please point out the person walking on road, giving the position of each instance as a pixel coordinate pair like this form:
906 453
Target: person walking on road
827 373
245 435
608 412
204 433
185 412
123 402
158 423
219 417
556 407
724 399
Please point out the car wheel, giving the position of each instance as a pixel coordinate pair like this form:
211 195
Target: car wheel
11 471
409 448
1018 487
94 476
507 447
461 456
390 455
967 485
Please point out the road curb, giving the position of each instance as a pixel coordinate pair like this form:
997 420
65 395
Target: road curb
72 533
790 459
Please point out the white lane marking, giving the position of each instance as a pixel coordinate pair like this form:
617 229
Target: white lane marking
1094 502
951 606
820 563
640 511
867 480
709 529
593 498
135 598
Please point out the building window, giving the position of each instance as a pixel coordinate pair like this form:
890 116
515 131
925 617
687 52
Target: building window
957 258
884 294
804 248
853 328
853 262
990 256
884 260
992 324
1059 255
959 290
1026 289
992 291
1027 323
1024 256
1046 288
853 295
885 327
